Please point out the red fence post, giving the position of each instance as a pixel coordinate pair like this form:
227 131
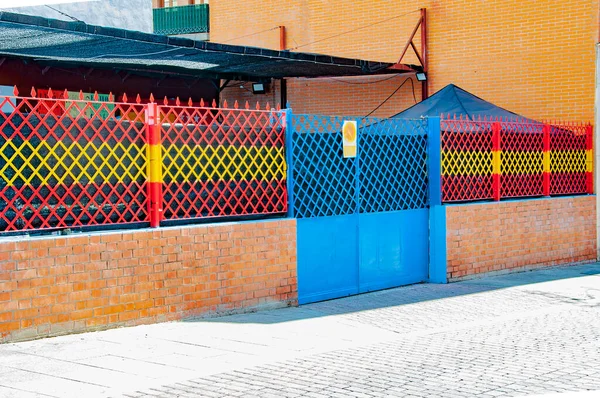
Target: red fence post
546 160
154 165
589 159
496 169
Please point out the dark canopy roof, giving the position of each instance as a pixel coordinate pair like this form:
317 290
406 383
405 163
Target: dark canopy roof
56 42
454 100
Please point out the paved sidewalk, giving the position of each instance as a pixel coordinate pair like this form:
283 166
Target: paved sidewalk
515 335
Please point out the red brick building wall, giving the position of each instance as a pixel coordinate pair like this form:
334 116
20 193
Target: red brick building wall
517 235
57 285
535 58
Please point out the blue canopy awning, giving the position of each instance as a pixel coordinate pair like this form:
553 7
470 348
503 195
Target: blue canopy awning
454 100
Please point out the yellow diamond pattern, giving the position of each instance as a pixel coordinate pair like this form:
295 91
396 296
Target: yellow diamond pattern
521 162
568 161
202 163
466 163
57 163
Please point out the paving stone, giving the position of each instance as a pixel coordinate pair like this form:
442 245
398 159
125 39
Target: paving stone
495 337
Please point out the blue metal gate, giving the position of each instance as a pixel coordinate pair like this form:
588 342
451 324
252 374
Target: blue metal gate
363 222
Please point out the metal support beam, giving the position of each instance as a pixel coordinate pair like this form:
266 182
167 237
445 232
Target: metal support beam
192 84
160 80
224 85
410 39
127 75
89 72
424 54
282 38
283 89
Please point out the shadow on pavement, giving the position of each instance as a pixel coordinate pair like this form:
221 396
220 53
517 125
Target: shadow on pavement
419 293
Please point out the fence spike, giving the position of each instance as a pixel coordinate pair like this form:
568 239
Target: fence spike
138 99
65 94
151 98
111 98
95 96
50 93
124 97
278 107
15 91
225 104
268 106
235 105
33 93
166 101
247 105
201 102
214 103
177 101
257 106
190 102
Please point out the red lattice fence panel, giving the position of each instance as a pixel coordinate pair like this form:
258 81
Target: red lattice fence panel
495 158
521 159
222 162
69 162
466 159
568 156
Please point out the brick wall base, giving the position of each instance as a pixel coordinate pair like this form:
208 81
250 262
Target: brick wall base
519 235
58 285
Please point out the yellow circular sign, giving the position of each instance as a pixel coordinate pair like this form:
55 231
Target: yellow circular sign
349 132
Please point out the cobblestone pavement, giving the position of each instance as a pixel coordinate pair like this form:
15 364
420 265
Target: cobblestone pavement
515 335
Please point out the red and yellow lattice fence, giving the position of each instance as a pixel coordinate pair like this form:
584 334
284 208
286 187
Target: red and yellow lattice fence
75 162
233 166
494 159
62 171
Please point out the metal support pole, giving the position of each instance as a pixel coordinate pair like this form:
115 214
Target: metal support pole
424 54
154 165
496 150
282 43
289 157
589 159
546 160
437 212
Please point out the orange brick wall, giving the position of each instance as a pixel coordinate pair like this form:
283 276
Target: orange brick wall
334 96
51 286
499 237
353 96
534 58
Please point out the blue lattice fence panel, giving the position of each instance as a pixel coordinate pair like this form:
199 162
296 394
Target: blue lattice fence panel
393 164
324 182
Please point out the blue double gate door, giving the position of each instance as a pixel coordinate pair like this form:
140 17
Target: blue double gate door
363 221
